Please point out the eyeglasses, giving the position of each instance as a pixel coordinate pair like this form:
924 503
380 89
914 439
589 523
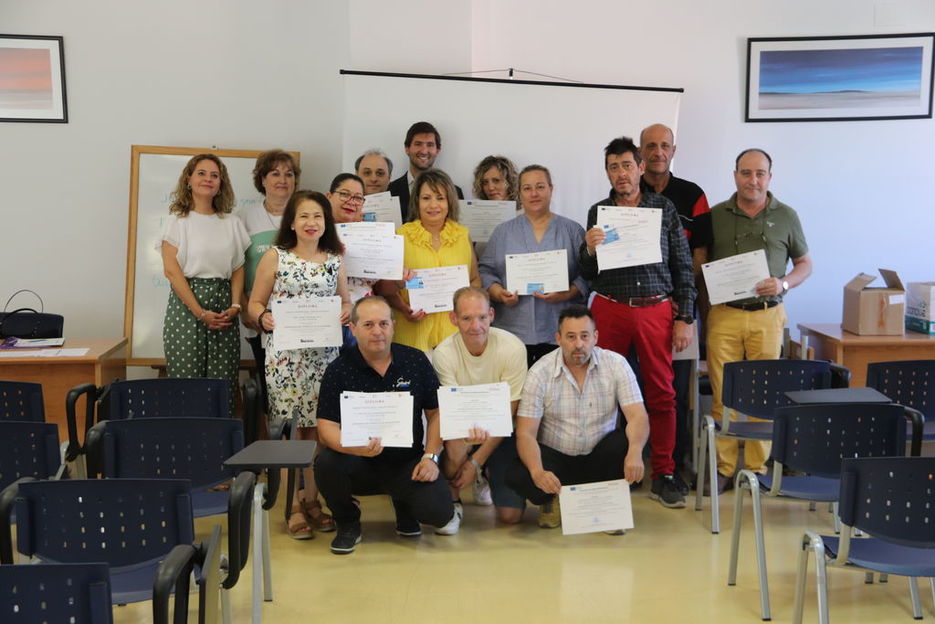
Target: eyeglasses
347 197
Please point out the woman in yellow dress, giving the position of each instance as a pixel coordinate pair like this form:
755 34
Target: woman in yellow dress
432 238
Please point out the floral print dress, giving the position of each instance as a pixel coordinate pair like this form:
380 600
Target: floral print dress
294 376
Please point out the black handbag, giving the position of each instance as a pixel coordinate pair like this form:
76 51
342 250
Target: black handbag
28 323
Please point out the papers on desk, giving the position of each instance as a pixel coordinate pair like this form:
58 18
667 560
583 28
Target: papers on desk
593 507
384 415
736 277
481 216
632 236
383 207
80 352
542 271
30 343
372 250
432 289
305 322
486 406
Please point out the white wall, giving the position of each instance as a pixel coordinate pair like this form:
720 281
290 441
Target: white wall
254 75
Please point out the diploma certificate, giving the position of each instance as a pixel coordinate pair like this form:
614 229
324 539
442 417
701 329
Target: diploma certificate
486 406
372 250
542 271
481 216
632 236
304 322
432 289
593 507
384 415
735 277
383 207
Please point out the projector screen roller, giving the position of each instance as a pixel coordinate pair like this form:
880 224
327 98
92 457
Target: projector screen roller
563 126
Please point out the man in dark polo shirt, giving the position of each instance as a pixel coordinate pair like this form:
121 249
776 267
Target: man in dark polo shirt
657 148
648 308
408 475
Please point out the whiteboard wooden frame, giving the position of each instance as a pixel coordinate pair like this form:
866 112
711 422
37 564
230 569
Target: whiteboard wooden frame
130 294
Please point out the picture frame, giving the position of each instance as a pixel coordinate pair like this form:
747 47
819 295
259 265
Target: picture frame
841 78
32 79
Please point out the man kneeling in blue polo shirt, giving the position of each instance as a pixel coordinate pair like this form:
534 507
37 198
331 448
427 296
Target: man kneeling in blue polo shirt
408 475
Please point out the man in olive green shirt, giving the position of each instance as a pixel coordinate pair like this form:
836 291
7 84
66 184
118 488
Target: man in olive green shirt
751 329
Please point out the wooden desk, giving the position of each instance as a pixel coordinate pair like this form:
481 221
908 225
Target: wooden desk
830 342
105 361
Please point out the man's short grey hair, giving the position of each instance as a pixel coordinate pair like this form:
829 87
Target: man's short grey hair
376 152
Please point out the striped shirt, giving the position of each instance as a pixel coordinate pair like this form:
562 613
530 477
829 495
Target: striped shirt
573 421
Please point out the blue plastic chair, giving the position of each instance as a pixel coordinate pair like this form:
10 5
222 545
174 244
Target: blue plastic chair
910 383
61 592
752 388
131 524
813 439
21 400
889 499
171 448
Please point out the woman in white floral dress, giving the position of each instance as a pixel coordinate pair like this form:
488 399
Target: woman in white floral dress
304 261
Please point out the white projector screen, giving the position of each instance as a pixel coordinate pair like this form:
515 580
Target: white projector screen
563 126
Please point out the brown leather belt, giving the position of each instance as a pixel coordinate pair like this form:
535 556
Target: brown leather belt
638 302
753 307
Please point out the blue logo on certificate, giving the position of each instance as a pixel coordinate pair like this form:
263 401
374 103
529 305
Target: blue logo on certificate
610 234
370 216
414 283
533 287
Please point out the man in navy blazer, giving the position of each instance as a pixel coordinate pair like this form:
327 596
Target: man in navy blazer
422 146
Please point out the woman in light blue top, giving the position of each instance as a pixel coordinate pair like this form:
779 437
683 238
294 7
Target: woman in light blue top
533 318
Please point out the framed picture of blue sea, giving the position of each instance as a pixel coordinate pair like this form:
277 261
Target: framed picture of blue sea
32 79
845 78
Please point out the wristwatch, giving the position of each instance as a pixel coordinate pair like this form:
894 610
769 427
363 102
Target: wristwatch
785 286
431 456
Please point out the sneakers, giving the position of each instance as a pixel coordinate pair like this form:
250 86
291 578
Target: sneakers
347 539
550 514
454 524
666 491
407 526
481 489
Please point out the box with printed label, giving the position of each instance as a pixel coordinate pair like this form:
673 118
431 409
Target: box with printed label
874 311
920 307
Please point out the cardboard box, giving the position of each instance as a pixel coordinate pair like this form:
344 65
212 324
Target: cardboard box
920 307
874 311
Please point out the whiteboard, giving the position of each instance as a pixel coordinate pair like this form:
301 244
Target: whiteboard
563 126
154 172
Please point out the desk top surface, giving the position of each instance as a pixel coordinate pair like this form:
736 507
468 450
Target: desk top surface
98 348
837 395
834 332
274 454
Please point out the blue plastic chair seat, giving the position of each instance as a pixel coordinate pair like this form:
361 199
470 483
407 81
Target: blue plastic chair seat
751 430
880 556
818 489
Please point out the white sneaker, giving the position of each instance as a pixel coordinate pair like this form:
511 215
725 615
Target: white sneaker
481 489
454 524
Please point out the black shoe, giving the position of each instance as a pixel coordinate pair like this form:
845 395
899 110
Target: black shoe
681 484
347 539
724 483
667 492
406 525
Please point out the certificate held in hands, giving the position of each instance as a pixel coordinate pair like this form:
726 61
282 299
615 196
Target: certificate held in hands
735 277
305 322
432 289
481 216
542 271
372 250
593 507
485 406
632 236
382 207
384 415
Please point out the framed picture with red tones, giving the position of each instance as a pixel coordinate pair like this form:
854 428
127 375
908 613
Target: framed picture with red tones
32 79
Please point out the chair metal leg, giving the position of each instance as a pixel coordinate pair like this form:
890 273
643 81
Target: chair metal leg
267 564
226 606
884 577
760 545
821 572
701 444
868 578
256 541
837 519
914 596
811 542
735 530
712 476
812 506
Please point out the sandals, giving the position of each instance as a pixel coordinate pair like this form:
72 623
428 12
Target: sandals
297 526
319 519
